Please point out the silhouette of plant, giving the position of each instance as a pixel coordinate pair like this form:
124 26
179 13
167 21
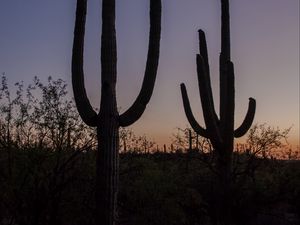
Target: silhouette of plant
220 131
188 139
41 139
264 140
41 115
108 119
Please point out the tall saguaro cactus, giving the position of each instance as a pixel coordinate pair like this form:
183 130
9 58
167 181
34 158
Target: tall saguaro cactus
108 119
219 130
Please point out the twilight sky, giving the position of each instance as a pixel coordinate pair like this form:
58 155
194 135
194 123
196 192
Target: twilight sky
36 39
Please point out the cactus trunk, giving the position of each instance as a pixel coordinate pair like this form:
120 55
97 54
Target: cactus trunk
107 165
107 173
223 194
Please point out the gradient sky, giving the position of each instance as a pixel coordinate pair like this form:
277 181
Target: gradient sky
36 39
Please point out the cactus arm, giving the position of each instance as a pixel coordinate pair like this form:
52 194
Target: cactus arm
204 55
189 114
210 117
203 50
139 105
84 107
242 130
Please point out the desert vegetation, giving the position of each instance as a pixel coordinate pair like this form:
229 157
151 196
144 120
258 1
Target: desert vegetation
64 162
48 169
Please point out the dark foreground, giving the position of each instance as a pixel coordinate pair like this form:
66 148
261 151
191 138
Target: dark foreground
44 187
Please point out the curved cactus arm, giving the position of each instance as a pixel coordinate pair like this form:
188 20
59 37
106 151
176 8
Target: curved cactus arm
84 107
139 105
245 126
189 114
210 116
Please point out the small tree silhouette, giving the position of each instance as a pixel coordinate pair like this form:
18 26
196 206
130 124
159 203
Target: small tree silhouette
220 131
108 119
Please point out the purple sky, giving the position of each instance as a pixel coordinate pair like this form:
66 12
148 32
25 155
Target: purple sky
36 39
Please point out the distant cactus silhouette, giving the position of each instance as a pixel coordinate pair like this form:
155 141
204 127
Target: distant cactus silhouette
219 130
108 119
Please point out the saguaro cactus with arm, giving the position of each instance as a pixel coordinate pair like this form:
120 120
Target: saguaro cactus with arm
108 119
220 130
